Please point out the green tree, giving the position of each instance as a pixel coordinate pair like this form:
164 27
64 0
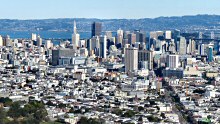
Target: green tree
15 110
6 101
2 116
117 111
129 114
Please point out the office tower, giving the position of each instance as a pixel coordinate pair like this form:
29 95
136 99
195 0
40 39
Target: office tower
210 53
131 59
125 35
1 41
39 41
201 49
156 34
142 37
108 34
137 32
103 46
48 44
75 36
151 60
34 37
7 41
96 29
94 45
191 46
131 38
176 34
182 46
83 52
143 59
61 53
173 61
119 36
172 47
168 35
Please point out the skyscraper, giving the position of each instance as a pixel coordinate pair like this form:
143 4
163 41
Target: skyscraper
210 53
96 29
191 46
182 46
33 37
75 36
119 36
39 41
1 41
168 35
202 49
103 46
173 61
131 59
131 38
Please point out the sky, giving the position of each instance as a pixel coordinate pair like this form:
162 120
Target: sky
105 9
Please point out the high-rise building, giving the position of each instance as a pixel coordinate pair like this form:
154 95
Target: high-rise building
168 35
125 35
143 59
39 41
201 49
48 44
34 37
103 46
151 60
108 34
61 53
75 36
210 53
131 38
191 46
96 29
119 36
182 46
173 61
1 41
176 34
131 59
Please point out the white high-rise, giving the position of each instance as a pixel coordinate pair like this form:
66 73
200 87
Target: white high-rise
34 37
75 36
103 46
173 61
1 41
119 36
182 46
131 59
168 35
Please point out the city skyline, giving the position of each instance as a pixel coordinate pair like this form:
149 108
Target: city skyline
105 9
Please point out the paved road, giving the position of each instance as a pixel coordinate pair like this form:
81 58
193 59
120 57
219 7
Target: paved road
175 110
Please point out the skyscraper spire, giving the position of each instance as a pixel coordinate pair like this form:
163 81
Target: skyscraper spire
74 27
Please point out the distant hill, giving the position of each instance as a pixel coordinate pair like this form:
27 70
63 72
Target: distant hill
184 23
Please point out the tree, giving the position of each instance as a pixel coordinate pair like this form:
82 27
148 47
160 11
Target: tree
84 120
129 114
15 110
140 108
163 115
6 101
2 116
117 111
153 119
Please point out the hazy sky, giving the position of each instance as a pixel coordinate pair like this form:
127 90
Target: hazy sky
43 9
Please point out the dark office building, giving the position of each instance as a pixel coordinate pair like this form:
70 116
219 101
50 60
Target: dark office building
96 29
57 54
